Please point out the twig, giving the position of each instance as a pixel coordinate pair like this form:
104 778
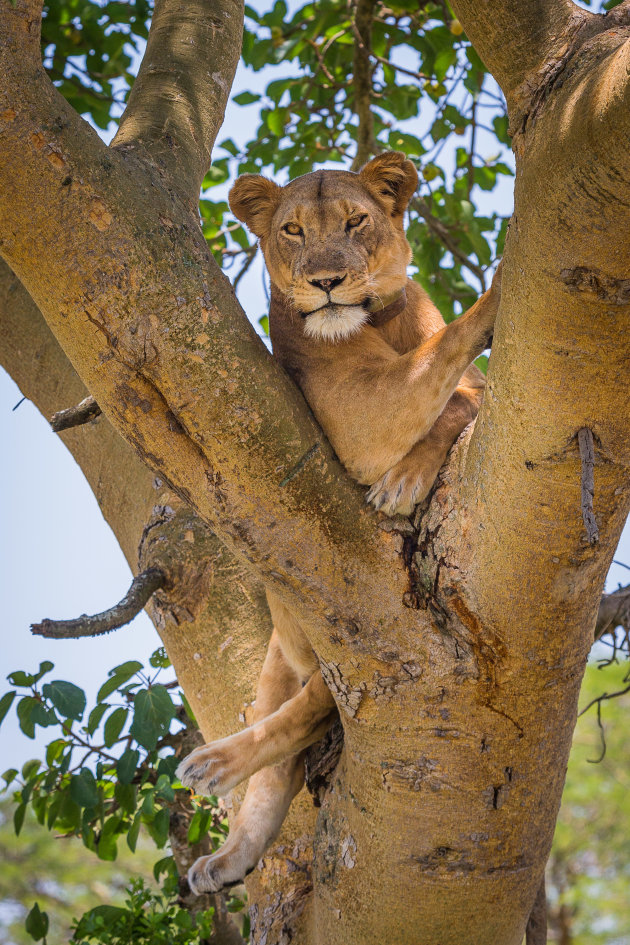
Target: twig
142 587
470 181
20 401
85 411
421 76
251 255
598 702
322 64
442 233
587 455
299 466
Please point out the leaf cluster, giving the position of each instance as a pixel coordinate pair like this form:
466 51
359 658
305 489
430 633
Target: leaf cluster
109 771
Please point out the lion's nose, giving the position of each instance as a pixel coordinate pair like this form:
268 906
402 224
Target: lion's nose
327 283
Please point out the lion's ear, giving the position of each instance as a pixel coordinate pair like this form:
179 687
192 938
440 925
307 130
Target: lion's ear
253 200
392 179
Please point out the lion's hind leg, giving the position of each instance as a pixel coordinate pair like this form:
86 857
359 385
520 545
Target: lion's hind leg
301 720
257 824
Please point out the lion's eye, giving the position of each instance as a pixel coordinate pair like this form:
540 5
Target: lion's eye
356 221
292 229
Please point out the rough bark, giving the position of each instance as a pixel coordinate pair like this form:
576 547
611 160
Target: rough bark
454 645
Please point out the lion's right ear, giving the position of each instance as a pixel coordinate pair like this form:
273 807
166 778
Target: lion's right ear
253 200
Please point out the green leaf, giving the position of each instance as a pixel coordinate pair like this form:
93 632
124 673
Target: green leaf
158 827
114 726
132 833
24 712
20 678
198 825
18 817
153 710
125 795
29 768
118 677
127 764
275 121
159 659
44 667
165 865
83 788
106 848
36 923
54 751
68 699
5 703
245 98
9 775
95 716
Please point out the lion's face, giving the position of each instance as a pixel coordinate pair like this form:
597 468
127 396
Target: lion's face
333 241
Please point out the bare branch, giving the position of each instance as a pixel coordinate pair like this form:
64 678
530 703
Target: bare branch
84 411
614 611
178 100
142 587
362 81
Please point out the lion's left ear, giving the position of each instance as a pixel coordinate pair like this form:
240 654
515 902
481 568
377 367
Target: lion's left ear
392 179
253 200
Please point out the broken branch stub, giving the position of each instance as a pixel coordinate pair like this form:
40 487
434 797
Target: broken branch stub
142 587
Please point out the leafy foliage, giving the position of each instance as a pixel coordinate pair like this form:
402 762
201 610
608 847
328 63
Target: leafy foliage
588 887
149 917
88 51
107 774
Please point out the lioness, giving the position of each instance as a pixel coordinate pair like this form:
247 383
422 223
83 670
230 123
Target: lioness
392 388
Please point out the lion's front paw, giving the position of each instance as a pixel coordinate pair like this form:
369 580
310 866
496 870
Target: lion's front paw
211 874
212 769
398 491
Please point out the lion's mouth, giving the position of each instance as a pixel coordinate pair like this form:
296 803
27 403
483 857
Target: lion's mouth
332 308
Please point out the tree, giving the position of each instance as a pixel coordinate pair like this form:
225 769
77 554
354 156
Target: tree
454 642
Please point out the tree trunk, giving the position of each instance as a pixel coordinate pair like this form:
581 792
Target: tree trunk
454 644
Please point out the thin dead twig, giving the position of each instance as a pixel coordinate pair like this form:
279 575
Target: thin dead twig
142 587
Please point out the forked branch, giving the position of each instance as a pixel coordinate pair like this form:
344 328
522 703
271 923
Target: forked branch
142 587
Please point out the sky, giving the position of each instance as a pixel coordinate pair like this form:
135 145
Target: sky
58 558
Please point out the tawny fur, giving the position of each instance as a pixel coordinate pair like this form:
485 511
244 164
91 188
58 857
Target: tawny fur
391 399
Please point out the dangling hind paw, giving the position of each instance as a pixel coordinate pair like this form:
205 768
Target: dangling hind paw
213 769
214 873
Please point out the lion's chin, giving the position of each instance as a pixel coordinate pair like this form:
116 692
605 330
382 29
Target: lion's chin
335 322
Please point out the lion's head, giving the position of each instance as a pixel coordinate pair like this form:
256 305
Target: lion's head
333 241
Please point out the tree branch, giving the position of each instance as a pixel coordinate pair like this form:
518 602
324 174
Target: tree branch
362 81
142 587
178 100
516 38
614 611
84 411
